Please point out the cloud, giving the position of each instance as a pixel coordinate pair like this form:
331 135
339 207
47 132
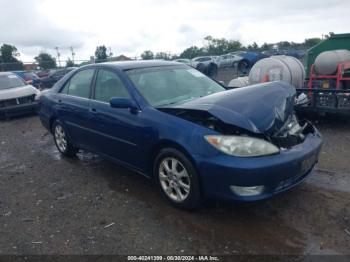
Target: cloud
23 25
132 26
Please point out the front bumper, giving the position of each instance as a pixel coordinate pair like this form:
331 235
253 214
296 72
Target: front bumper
277 173
16 110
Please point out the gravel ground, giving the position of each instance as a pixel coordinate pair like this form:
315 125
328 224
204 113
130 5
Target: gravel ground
54 205
86 205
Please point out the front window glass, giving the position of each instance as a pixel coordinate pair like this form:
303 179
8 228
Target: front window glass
166 85
10 81
109 85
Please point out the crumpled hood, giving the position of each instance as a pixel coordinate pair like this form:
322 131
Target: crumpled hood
262 108
18 92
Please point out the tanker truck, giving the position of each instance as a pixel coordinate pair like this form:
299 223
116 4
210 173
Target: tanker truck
327 85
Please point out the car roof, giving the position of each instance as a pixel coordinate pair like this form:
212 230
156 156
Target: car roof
128 65
206 56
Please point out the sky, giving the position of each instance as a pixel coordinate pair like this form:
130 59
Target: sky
131 26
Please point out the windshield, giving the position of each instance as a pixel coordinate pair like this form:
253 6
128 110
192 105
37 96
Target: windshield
10 81
162 86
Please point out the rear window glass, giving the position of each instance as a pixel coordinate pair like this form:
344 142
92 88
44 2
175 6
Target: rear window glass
203 59
79 84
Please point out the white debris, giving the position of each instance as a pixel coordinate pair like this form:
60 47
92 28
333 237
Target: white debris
109 225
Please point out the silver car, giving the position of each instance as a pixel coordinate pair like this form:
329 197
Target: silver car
16 97
205 64
228 60
206 60
183 61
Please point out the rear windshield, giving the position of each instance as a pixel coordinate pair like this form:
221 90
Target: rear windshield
10 81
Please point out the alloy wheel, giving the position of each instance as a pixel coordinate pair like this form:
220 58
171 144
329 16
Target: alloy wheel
60 138
174 179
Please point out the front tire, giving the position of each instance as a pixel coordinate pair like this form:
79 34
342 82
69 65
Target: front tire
62 142
177 179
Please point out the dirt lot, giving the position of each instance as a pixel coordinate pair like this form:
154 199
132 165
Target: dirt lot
54 205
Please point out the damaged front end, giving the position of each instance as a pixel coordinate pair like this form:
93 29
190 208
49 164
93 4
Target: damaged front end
292 133
262 111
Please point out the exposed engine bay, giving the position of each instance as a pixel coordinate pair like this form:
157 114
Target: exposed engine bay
292 133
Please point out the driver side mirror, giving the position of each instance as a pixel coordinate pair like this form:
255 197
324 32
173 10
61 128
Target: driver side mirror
118 102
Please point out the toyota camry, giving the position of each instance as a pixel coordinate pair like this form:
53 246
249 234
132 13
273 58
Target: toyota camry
195 138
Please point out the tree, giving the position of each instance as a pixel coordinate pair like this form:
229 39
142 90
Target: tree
45 61
310 42
101 54
8 60
192 52
234 45
331 34
253 47
283 45
265 47
69 63
147 55
162 55
219 46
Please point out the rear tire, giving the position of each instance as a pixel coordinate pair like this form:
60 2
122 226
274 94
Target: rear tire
202 68
64 146
212 70
177 179
244 66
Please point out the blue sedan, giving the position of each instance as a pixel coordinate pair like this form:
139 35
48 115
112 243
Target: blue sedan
196 139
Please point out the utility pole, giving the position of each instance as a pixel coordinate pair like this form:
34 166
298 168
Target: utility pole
73 54
58 56
110 54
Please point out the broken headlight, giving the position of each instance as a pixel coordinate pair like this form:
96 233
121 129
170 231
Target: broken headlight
242 146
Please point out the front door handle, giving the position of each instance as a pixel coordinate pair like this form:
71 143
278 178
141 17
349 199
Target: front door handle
93 110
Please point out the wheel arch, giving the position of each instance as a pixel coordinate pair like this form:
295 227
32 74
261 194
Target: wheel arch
169 144
51 121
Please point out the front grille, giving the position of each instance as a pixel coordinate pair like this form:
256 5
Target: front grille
26 99
17 101
8 102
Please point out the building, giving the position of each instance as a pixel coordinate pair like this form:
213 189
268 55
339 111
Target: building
120 58
30 66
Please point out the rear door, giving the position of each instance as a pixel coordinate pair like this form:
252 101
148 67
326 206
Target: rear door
73 106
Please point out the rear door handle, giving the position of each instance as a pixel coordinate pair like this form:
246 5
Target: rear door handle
93 110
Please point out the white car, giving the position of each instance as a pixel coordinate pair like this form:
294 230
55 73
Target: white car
16 97
206 60
228 60
183 61
205 64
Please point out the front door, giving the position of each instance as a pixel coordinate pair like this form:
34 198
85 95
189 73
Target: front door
117 131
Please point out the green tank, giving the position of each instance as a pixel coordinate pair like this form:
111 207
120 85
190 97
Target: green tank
336 41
